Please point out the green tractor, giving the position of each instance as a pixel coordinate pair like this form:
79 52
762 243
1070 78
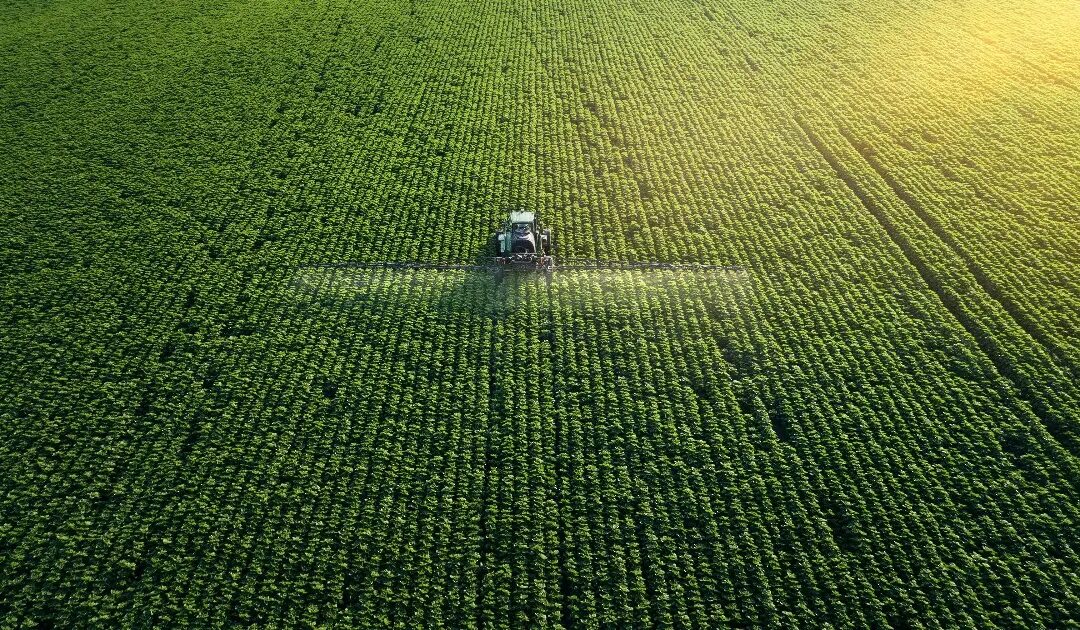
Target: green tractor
524 242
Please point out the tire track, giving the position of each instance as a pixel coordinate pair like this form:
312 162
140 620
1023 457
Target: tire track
867 153
1044 74
1048 417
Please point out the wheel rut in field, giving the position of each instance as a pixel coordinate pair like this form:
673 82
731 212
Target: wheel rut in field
867 153
563 475
1049 418
494 411
1046 75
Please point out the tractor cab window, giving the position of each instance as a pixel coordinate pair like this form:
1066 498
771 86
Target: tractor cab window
523 242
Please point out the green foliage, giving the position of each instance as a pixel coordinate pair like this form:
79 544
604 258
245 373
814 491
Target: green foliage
878 424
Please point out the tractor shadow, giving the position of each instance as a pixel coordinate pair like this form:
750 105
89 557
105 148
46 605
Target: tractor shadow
495 294
492 294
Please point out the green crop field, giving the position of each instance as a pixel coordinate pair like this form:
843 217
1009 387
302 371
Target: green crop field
206 421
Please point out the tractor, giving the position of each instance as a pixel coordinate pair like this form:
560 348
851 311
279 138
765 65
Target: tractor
523 242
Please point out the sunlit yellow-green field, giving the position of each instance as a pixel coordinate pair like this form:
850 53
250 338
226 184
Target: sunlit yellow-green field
854 403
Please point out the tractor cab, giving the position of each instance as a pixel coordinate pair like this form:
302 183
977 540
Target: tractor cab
522 240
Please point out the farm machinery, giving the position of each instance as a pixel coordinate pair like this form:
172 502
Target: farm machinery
524 243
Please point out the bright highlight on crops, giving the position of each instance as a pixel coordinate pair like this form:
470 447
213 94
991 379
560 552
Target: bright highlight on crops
560 314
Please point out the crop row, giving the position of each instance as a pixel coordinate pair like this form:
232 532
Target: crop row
203 428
